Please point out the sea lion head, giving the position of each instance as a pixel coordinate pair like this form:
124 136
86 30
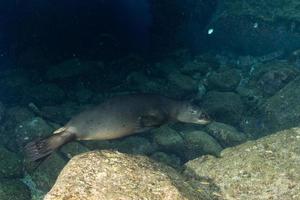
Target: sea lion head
190 113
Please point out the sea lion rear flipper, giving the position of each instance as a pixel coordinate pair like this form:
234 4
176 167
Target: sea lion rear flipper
41 148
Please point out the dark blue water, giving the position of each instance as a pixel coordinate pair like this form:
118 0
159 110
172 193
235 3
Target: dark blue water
236 60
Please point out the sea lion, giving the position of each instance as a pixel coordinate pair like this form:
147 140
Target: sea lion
118 117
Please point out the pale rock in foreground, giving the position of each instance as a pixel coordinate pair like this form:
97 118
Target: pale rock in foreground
257 170
111 175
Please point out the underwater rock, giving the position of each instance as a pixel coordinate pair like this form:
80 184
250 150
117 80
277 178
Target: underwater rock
112 175
139 81
168 159
294 58
156 84
273 81
101 144
10 164
168 139
224 81
168 65
197 143
196 66
2 111
252 126
265 9
83 95
63 112
30 129
264 169
201 92
19 114
282 110
135 145
44 94
12 83
251 97
45 174
137 78
81 92
256 27
36 194
14 190
225 107
67 69
14 116
270 77
225 134
183 82
72 149
259 69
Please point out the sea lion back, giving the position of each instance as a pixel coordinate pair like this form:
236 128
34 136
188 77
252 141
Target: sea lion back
119 117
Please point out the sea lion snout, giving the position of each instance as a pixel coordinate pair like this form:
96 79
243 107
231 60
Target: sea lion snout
190 113
204 118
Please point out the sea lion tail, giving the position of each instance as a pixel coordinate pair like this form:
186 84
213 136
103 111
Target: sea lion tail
41 148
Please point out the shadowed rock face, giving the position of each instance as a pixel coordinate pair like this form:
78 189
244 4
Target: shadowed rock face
112 175
282 110
256 27
264 169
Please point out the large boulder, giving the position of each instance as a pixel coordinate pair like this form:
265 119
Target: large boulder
197 143
283 109
225 107
112 175
264 169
